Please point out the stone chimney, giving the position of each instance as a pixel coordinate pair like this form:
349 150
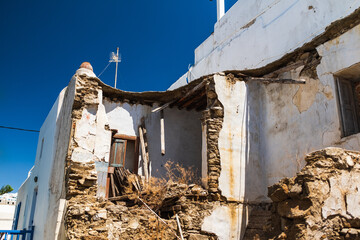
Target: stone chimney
86 69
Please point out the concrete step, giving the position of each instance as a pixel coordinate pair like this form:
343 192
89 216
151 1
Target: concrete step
259 218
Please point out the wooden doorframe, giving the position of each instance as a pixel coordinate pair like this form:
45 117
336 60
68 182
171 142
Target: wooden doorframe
136 157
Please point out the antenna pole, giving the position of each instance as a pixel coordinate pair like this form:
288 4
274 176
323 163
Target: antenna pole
116 62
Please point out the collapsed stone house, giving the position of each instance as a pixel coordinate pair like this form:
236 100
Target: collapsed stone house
269 93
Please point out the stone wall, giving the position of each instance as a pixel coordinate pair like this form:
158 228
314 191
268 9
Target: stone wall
85 216
213 118
322 201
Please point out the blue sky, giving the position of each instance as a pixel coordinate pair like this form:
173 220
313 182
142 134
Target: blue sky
42 43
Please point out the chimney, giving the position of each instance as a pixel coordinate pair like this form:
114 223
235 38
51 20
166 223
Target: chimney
87 69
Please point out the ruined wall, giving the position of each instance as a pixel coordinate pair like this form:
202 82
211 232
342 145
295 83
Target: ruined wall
321 201
233 145
53 137
88 149
182 133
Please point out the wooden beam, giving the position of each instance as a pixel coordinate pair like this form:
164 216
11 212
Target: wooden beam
136 157
143 153
190 92
125 137
201 103
275 80
179 226
162 132
194 99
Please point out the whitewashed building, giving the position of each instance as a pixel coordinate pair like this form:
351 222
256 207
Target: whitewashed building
276 80
7 209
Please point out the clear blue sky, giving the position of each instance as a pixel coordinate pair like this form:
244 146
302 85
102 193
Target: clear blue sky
42 43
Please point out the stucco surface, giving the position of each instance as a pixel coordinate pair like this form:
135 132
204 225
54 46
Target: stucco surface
183 133
223 222
266 23
54 134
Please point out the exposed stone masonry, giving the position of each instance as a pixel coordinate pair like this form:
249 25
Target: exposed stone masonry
84 218
213 118
322 201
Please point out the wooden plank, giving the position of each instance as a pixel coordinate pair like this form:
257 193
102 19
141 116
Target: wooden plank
192 100
136 157
275 80
163 106
198 105
190 92
179 226
197 87
143 153
125 137
112 183
162 132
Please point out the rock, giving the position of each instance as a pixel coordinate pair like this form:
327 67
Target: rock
197 237
278 192
322 201
134 224
102 214
295 190
294 208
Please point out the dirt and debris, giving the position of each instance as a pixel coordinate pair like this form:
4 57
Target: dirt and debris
129 216
322 201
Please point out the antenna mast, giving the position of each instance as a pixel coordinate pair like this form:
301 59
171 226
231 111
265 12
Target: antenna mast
115 58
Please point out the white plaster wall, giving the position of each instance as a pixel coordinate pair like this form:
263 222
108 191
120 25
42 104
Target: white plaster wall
183 140
54 131
42 170
253 34
298 119
242 177
6 216
224 222
182 133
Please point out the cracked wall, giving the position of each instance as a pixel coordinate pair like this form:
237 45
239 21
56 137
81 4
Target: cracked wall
321 201
234 167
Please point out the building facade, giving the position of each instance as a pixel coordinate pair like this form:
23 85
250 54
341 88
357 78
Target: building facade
276 80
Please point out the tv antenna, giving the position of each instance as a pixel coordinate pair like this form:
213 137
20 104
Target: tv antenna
116 59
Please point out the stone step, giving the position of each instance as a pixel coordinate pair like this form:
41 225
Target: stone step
257 221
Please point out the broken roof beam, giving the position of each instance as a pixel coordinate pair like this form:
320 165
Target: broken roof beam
274 80
201 105
192 100
189 93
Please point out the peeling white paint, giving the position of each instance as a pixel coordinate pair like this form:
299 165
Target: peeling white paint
224 222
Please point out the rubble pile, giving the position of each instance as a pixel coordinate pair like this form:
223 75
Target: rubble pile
150 214
322 201
130 216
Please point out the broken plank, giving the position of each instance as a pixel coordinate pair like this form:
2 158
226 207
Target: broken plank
143 153
179 227
162 132
275 80
112 183
190 92
192 100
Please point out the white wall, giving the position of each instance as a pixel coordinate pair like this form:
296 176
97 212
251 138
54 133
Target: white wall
6 216
298 119
255 33
54 131
182 133
242 174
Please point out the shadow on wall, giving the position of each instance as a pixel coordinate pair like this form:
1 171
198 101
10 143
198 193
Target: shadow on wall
183 136
255 187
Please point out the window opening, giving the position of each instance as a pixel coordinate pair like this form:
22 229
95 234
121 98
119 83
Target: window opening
41 148
348 96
